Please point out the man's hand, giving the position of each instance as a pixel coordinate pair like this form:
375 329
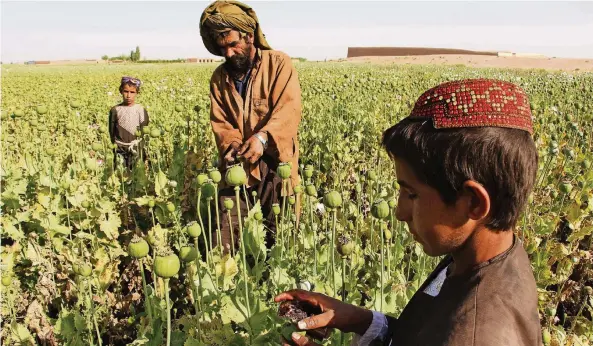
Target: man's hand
335 314
229 158
252 150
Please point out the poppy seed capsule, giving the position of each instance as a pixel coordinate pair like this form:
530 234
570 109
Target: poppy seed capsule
276 208
344 246
284 170
332 199
138 247
208 190
298 189
215 176
291 200
311 190
392 203
236 176
193 229
258 216
202 179
253 193
228 204
387 233
380 209
372 175
308 172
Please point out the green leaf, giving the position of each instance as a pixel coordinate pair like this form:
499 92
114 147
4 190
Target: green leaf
160 184
142 201
65 325
177 338
580 233
192 342
21 334
226 269
254 234
232 310
574 213
110 225
8 229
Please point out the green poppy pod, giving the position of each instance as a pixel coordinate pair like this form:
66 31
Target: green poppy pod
215 176
344 246
170 207
311 190
332 199
284 170
155 133
202 179
138 248
188 254
85 270
193 229
167 265
276 209
380 209
228 204
308 172
236 176
208 190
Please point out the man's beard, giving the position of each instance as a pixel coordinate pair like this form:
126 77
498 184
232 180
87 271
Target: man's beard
239 64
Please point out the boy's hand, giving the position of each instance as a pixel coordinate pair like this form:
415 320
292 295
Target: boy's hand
252 150
335 314
299 340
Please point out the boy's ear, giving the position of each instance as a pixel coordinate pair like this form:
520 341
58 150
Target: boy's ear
479 200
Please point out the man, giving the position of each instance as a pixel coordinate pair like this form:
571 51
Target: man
255 105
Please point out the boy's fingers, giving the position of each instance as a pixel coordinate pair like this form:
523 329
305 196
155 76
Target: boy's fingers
317 321
302 340
292 295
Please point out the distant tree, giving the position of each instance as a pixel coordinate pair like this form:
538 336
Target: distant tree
105 57
137 54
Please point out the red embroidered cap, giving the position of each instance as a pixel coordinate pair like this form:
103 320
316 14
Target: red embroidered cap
475 103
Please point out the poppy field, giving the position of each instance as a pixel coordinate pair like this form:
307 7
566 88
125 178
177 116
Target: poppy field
93 254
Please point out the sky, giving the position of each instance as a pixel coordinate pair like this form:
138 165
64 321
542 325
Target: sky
51 30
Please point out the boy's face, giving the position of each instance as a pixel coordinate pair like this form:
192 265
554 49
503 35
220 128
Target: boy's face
438 227
129 93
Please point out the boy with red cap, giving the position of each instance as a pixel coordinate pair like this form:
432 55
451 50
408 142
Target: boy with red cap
466 163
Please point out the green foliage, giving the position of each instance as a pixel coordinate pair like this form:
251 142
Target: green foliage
60 212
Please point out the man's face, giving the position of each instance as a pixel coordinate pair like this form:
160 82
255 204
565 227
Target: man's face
237 51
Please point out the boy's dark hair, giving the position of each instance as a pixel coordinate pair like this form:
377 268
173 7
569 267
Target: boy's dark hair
503 160
121 87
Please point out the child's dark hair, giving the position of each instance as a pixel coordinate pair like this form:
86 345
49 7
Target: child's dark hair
503 160
130 81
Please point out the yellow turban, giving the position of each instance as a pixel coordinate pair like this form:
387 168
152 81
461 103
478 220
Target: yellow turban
225 15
